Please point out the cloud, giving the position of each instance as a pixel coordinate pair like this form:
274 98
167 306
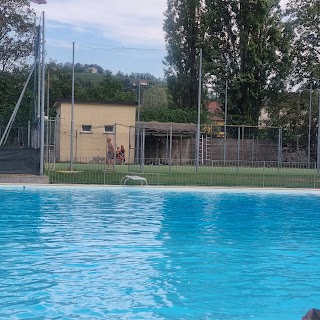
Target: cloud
128 22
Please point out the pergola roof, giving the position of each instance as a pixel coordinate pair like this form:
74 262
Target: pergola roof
166 127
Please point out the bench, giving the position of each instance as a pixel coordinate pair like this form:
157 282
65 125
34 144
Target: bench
133 178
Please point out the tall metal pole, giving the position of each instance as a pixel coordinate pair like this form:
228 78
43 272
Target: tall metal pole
72 112
318 151
199 110
36 83
42 100
225 123
48 116
138 122
39 83
279 147
309 126
170 149
38 129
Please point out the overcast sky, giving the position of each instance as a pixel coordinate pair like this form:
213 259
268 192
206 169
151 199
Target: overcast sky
119 35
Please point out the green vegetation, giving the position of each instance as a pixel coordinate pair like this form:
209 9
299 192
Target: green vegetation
187 176
261 50
245 43
172 115
258 48
84 77
17 33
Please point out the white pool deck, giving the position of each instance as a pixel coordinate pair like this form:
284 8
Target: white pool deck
24 178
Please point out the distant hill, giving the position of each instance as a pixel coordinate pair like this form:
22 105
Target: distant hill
93 77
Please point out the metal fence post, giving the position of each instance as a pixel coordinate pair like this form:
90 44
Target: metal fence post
29 133
211 172
167 144
128 160
253 146
143 137
318 149
279 147
159 172
170 149
315 176
238 155
309 125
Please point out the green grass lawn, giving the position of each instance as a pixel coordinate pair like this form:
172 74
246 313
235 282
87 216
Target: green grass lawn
187 175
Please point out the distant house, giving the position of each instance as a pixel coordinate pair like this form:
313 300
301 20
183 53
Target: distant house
91 70
217 118
141 82
93 123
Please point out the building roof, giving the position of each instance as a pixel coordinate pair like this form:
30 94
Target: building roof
215 107
215 110
95 102
165 127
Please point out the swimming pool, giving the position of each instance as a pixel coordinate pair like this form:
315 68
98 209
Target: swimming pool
150 253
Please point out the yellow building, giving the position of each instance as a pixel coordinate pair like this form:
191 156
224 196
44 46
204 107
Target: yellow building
93 123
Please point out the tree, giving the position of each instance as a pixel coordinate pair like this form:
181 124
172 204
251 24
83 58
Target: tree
292 114
17 29
155 97
11 84
304 16
182 31
109 88
87 86
291 110
247 44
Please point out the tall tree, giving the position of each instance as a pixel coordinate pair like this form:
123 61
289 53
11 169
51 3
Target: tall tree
293 114
182 31
155 97
304 15
17 28
247 44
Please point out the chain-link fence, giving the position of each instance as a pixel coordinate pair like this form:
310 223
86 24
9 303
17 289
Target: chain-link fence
245 156
218 173
150 143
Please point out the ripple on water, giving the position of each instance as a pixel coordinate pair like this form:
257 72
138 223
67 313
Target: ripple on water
134 253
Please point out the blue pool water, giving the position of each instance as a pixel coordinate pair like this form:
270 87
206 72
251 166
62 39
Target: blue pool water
144 253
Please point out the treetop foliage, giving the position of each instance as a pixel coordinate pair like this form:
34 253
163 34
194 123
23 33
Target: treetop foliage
304 17
17 31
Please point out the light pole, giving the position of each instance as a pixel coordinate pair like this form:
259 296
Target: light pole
318 149
42 100
138 122
72 112
309 127
225 123
140 144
